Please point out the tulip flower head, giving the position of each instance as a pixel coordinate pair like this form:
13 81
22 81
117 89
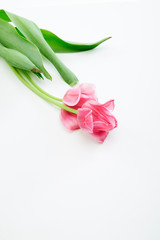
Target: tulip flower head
93 117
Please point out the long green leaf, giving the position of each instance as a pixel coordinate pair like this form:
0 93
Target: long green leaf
60 46
4 16
11 39
31 31
16 59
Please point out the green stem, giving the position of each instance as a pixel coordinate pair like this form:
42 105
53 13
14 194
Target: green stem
40 89
40 94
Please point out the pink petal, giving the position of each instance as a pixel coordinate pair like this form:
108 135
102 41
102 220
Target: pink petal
69 120
100 136
109 105
90 103
101 113
101 126
112 120
85 119
72 96
87 88
83 99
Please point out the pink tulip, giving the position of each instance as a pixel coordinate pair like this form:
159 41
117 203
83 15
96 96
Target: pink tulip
92 116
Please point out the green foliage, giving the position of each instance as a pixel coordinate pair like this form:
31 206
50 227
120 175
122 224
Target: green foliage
10 38
16 59
30 41
60 46
31 31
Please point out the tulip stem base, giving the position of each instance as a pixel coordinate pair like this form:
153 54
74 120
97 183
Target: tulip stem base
40 89
42 94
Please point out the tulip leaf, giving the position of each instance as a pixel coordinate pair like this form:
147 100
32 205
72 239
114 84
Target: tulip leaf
11 39
17 59
60 46
48 43
4 16
39 75
31 31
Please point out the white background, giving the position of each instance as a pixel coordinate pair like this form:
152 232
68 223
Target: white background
64 186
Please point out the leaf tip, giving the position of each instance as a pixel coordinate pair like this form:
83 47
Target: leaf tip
72 84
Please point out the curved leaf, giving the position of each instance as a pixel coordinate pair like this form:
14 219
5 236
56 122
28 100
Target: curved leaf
4 16
60 46
31 31
11 39
16 59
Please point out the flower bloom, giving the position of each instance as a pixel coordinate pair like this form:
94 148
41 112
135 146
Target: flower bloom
92 116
